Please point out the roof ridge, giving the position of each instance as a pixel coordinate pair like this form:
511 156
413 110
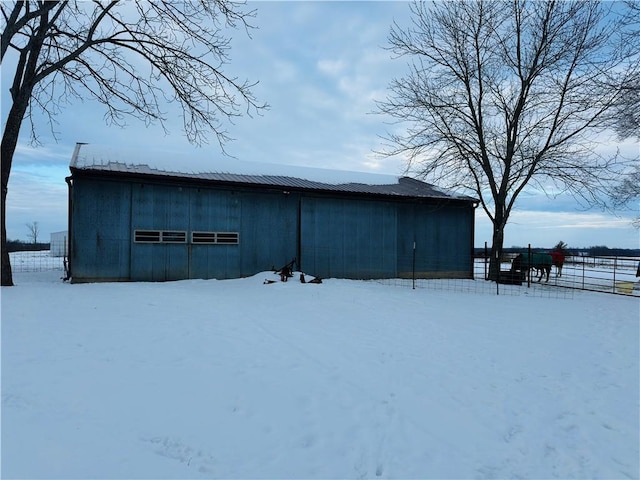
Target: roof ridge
290 177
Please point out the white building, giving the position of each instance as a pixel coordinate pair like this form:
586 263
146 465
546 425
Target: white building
60 244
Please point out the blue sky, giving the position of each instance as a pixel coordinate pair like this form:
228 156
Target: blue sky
321 66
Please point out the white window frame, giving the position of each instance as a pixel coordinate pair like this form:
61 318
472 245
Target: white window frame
159 236
147 236
215 238
174 236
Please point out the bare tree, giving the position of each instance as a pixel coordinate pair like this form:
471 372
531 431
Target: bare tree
34 231
627 192
627 109
626 119
133 57
501 95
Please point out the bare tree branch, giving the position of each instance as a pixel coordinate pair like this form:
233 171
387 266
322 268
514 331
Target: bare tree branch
502 95
133 57
34 231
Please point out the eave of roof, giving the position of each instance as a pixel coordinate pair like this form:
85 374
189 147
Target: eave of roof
404 187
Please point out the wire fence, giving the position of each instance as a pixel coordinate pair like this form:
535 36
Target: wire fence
36 261
620 275
614 275
480 283
606 274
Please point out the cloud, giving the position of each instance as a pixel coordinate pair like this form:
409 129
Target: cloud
333 68
37 196
544 229
321 66
42 155
567 220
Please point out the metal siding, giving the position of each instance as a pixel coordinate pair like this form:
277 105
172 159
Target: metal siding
406 238
339 237
443 236
159 207
348 238
455 238
100 230
214 211
268 235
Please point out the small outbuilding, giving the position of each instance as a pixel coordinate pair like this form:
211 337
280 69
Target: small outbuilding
151 216
59 245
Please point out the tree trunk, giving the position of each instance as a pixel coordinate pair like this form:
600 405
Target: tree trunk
7 275
22 87
497 243
8 148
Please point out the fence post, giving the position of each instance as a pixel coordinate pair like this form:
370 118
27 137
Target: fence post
499 271
486 257
414 264
529 267
615 265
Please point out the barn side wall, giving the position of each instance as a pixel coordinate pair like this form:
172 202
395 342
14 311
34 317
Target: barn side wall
442 235
329 236
347 238
100 230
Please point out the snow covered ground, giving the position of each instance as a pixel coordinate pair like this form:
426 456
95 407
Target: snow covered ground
346 379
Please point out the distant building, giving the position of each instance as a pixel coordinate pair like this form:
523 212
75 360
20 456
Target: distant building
59 245
132 221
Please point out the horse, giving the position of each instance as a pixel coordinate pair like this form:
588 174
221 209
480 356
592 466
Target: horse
524 262
557 259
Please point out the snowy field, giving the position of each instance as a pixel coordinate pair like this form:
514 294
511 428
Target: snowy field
347 379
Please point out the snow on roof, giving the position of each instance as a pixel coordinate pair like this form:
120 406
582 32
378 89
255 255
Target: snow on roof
205 167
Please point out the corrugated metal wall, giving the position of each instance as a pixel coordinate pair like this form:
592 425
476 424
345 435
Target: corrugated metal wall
269 231
214 211
165 208
330 237
443 236
101 233
347 238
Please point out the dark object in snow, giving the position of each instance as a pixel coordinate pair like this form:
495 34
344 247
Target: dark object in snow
286 272
510 277
268 282
67 272
313 280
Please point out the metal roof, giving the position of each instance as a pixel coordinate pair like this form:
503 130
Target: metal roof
404 187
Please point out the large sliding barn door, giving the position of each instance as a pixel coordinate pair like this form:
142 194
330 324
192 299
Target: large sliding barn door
215 238
160 223
347 238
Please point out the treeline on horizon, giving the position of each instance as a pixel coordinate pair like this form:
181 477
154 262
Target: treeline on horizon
22 246
596 251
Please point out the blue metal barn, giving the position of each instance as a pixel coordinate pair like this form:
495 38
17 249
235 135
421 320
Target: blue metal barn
131 222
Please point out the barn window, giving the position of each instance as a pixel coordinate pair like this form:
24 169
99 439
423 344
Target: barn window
203 237
215 238
159 236
146 236
169 236
227 237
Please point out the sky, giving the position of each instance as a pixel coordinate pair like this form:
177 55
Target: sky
321 66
